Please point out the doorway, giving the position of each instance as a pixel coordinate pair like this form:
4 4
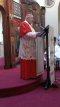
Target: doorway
2 61
1 38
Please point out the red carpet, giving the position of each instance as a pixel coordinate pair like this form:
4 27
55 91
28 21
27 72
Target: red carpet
11 83
37 98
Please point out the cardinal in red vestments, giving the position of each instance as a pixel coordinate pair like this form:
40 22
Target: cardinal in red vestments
27 49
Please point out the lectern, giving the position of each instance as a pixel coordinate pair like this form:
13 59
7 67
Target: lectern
44 33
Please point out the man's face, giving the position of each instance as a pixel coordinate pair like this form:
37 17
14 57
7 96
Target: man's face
31 19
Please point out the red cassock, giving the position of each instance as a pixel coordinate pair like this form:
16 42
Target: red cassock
27 65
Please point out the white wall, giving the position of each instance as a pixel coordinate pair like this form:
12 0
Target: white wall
40 2
51 17
18 1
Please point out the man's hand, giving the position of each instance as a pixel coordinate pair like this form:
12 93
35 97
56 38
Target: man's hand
38 34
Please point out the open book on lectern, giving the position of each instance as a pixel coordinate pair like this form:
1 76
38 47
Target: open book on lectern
44 31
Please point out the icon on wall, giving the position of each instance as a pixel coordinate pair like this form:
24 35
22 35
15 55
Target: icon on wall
49 3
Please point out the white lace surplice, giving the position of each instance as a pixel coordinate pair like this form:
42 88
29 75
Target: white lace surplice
28 45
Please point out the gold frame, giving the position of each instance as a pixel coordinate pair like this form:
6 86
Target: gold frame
50 5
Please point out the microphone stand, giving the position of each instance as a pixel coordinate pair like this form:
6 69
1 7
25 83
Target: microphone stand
47 82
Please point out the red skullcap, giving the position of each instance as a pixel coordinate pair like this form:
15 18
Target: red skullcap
29 15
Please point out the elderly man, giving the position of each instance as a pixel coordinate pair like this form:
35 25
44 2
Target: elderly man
57 53
27 50
57 49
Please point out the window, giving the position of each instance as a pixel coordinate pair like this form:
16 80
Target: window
17 9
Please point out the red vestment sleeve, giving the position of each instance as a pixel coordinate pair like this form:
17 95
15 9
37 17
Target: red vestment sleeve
24 28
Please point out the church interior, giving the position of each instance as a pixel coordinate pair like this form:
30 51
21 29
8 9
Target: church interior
14 91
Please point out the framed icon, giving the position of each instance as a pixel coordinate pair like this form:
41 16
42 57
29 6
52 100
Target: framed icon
49 3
